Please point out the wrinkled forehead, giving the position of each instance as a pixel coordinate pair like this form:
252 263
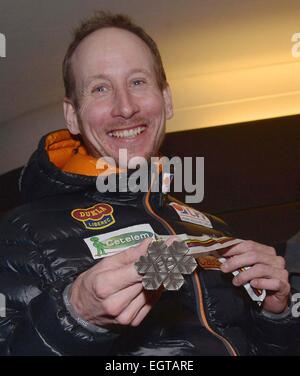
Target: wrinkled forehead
112 52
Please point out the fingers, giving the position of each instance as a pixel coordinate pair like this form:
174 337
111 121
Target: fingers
252 258
125 273
127 315
131 255
151 297
134 313
116 294
247 246
171 239
260 271
109 282
127 257
266 271
141 314
115 304
282 288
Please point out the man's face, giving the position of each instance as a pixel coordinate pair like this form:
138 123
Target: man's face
120 103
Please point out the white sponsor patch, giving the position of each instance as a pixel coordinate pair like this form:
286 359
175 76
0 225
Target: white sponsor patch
191 215
117 241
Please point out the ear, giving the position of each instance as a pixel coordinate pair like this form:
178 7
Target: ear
70 115
168 102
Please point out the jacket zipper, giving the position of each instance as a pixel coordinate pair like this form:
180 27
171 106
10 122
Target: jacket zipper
203 318
198 288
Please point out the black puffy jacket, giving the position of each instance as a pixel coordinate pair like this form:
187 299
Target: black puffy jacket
42 251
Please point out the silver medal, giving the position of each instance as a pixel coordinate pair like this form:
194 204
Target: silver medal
164 265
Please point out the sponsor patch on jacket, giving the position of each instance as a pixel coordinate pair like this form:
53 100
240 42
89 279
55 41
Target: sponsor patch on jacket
209 262
117 241
188 214
95 217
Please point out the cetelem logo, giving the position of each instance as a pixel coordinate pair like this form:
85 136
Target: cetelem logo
129 239
117 241
2 45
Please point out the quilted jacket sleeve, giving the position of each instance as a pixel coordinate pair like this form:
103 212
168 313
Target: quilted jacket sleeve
34 319
275 334
46 328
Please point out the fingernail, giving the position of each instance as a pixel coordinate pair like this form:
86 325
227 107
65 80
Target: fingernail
235 282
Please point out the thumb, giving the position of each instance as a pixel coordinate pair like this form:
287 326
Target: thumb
126 257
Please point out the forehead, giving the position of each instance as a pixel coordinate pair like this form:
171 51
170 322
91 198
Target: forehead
111 51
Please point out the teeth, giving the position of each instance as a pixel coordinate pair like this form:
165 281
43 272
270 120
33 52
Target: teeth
127 133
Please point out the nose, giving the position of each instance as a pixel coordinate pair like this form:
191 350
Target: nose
124 105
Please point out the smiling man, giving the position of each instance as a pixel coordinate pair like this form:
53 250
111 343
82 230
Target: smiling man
119 102
67 292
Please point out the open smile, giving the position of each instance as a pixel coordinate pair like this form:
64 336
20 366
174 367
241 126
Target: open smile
128 132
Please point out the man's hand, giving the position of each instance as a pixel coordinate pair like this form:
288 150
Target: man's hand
111 292
267 272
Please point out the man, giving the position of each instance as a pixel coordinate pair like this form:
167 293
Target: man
61 300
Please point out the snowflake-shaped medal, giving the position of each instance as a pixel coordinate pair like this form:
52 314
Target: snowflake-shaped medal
165 265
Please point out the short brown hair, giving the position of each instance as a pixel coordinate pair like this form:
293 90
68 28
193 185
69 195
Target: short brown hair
102 20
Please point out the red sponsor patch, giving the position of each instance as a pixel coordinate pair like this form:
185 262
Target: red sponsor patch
95 217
